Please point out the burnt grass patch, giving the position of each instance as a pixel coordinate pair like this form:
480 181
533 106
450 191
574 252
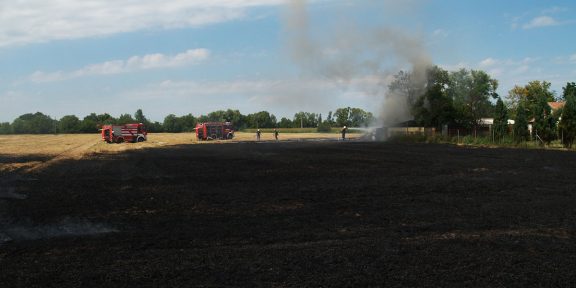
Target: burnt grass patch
12 159
355 214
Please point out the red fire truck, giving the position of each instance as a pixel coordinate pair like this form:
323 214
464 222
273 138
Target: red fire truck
124 133
214 130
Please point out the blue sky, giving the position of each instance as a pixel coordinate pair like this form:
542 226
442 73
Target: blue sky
173 56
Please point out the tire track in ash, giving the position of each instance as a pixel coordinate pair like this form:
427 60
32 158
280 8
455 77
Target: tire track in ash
76 152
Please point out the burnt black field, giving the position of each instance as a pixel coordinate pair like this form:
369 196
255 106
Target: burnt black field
294 214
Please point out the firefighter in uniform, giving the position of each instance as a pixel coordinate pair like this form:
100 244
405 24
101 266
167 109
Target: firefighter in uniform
258 135
344 133
276 134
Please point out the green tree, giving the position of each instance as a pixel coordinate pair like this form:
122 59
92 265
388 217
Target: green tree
514 97
568 120
472 91
69 124
155 127
236 118
187 122
285 123
539 89
91 123
500 124
216 116
342 116
569 89
172 124
36 123
305 119
530 94
544 122
329 119
406 86
125 119
435 107
359 117
5 128
521 133
140 118
261 119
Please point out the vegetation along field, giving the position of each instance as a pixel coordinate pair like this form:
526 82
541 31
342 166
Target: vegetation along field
76 212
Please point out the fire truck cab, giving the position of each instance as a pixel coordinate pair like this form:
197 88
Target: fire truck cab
124 133
214 131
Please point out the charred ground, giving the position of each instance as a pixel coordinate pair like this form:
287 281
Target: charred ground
294 214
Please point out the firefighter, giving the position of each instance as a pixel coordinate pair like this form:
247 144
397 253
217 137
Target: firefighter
258 135
344 133
276 134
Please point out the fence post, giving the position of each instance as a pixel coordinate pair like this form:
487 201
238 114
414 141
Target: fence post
458 139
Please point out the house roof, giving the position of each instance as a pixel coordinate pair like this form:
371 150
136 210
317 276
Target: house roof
556 105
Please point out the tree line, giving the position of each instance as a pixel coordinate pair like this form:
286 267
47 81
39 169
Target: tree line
462 98
39 123
455 99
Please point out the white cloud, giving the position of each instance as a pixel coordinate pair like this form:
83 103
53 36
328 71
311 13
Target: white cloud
573 58
488 62
440 33
34 21
134 63
541 21
554 10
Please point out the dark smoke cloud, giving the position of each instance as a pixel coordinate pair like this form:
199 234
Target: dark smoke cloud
363 58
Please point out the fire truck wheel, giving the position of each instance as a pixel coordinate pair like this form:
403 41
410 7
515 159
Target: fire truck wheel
119 140
140 139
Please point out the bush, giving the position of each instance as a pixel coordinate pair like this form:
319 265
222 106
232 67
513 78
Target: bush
324 128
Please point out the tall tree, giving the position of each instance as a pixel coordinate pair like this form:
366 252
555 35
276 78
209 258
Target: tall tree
500 124
568 120
515 95
305 119
69 124
285 123
329 119
238 120
569 89
435 107
171 124
521 133
187 122
342 116
544 123
36 123
5 128
140 118
472 91
262 119
359 117
125 119
405 86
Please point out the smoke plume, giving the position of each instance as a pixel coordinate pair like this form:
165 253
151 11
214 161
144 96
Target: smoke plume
363 58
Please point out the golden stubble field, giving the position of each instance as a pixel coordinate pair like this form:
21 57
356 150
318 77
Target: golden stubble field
38 151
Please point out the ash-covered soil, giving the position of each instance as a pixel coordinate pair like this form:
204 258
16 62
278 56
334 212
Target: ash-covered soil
298 214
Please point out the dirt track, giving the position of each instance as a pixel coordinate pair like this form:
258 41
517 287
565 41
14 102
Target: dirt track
293 214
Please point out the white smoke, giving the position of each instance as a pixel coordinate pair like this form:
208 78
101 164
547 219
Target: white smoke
346 53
